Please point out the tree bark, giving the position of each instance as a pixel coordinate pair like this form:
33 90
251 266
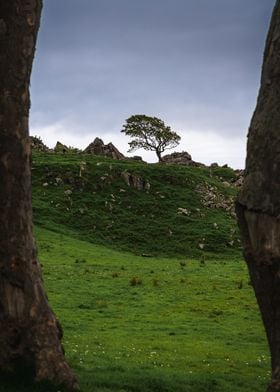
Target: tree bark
258 204
159 155
29 331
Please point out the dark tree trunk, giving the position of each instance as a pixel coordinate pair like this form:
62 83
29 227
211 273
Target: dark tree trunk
29 332
258 205
159 155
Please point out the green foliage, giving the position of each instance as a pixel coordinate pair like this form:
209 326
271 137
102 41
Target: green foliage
150 133
194 331
98 205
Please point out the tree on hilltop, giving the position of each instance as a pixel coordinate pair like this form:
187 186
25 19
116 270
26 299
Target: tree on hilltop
151 134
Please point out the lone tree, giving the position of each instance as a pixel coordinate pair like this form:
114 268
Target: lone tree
258 205
151 134
29 332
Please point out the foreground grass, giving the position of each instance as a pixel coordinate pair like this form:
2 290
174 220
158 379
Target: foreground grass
192 327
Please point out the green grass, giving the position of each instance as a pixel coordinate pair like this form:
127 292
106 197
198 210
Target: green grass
99 207
185 328
181 319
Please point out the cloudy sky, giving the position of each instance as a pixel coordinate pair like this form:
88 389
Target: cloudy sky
193 63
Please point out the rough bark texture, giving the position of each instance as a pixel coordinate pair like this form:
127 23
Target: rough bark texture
29 331
159 155
258 205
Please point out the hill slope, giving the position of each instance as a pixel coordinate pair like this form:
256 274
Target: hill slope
147 209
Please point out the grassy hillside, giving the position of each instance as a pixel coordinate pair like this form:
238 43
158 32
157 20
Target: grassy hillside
166 212
182 320
153 324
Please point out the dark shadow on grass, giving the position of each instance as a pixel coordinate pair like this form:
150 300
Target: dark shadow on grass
23 381
135 380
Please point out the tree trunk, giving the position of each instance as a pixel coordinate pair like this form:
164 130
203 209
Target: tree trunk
258 205
29 331
159 156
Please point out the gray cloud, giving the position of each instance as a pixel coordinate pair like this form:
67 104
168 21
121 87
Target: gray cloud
193 63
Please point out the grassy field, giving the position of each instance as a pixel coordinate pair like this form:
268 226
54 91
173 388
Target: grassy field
150 299
136 324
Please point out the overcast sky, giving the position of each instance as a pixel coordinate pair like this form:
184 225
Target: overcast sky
193 63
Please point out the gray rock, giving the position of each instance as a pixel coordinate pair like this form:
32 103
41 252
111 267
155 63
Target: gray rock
136 158
180 158
134 181
59 147
97 147
211 197
37 144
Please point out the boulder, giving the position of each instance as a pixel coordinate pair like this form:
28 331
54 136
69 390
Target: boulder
136 158
59 147
134 181
37 144
239 179
97 147
180 158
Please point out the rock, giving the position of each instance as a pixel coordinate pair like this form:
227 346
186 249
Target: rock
147 186
136 158
37 144
97 147
60 148
126 176
183 211
82 168
211 198
135 181
180 158
239 179
239 182
111 151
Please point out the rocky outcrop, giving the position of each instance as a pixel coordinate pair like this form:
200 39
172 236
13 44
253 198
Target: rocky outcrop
134 181
180 158
239 179
37 144
136 158
97 147
59 147
211 197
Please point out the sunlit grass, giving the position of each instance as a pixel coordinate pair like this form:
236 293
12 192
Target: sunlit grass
195 330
